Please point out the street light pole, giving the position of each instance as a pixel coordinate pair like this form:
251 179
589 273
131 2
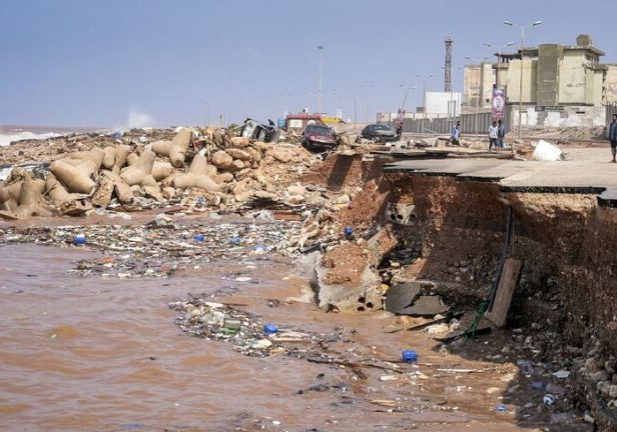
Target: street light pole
520 87
424 78
499 49
320 48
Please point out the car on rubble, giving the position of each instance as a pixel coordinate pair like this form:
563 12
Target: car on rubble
252 129
379 133
319 138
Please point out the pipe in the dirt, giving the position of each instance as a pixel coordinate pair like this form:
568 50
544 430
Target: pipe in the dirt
502 261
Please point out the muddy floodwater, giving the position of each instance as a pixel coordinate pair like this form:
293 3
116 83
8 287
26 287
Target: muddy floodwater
89 353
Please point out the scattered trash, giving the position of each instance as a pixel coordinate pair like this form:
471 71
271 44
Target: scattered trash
198 237
270 329
79 239
348 232
561 374
548 399
501 408
409 356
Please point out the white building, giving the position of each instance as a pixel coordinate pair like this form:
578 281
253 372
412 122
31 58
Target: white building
448 103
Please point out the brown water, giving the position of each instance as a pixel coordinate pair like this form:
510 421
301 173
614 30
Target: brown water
105 355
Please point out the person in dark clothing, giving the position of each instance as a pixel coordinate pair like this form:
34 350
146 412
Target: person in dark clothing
501 133
612 136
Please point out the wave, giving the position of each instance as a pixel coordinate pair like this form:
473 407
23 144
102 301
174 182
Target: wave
6 139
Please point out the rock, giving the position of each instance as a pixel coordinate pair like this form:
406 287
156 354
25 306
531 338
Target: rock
280 154
264 194
235 166
169 192
221 160
225 177
296 190
239 154
261 344
240 141
295 199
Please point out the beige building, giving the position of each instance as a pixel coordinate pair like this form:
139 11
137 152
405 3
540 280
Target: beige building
478 86
554 74
610 84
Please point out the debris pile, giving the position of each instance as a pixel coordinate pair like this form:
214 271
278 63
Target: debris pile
228 171
160 247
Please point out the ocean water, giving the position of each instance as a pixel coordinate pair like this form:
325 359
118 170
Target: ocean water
8 138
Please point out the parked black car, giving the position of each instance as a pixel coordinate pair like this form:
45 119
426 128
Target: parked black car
379 133
319 138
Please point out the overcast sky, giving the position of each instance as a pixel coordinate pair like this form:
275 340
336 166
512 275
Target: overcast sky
95 63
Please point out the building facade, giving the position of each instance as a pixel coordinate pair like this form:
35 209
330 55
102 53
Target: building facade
561 86
479 80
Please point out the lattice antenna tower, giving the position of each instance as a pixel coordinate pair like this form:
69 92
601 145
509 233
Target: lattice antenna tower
447 79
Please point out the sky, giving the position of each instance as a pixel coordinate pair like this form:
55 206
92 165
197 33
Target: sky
110 63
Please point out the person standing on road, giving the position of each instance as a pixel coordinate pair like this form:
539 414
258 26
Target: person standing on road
612 136
455 134
492 136
501 133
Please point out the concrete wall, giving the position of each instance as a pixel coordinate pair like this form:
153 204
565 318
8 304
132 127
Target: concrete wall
438 102
573 78
530 71
478 85
570 116
549 59
610 85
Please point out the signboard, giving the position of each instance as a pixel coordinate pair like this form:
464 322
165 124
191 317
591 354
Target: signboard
499 102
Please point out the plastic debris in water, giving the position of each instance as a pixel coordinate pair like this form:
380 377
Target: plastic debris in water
270 329
235 240
199 237
409 356
501 408
79 239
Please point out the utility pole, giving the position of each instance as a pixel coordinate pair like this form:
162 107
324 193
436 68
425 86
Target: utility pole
424 78
520 88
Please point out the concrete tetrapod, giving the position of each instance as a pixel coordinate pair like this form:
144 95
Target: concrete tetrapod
141 171
56 191
197 176
176 148
76 178
30 200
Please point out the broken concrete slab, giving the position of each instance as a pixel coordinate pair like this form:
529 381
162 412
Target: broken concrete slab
426 306
401 296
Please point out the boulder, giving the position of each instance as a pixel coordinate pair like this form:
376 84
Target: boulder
221 160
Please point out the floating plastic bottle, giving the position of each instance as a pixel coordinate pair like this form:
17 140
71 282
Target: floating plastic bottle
79 239
198 237
270 329
409 356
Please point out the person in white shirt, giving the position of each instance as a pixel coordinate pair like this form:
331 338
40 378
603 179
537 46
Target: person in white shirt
492 136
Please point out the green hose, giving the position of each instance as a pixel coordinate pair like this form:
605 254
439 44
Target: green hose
482 308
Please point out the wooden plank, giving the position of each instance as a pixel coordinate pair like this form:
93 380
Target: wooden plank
508 281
